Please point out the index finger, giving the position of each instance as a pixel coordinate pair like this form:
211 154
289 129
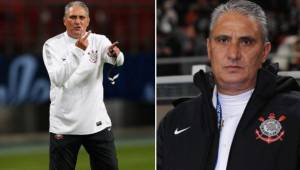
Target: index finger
114 44
86 35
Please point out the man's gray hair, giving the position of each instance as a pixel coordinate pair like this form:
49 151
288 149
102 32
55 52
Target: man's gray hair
76 3
243 7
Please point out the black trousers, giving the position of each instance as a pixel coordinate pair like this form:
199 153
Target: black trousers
100 147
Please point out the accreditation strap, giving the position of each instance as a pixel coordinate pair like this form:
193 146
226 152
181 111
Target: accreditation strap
219 113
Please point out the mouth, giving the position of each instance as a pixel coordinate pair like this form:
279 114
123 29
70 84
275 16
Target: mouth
77 28
233 68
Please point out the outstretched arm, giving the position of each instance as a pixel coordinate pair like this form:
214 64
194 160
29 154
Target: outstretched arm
112 54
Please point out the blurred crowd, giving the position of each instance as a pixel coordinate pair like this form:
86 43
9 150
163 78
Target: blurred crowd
182 29
26 24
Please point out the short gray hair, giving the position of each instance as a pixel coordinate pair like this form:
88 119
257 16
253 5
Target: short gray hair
243 7
76 3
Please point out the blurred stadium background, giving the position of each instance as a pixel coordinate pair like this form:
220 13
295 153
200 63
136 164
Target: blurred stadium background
24 83
182 29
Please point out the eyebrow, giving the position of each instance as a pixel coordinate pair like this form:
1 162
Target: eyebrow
223 36
220 37
247 38
77 15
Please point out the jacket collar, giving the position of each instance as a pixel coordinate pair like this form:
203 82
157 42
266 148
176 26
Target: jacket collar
265 83
205 82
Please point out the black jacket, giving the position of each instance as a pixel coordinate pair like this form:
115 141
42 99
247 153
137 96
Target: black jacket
196 148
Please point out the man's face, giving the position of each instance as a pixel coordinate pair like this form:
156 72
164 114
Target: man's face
76 21
236 50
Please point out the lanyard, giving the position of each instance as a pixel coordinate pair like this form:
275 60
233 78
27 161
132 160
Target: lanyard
219 123
219 112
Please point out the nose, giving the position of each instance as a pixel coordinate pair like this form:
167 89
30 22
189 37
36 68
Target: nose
233 51
77 20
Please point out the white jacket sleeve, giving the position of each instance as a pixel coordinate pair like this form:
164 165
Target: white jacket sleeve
60 68
118 61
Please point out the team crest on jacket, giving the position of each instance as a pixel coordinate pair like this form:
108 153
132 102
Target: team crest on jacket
270 130
93 56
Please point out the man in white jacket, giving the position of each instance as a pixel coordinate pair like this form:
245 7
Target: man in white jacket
74 61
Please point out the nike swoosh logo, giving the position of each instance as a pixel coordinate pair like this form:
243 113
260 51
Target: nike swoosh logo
176 132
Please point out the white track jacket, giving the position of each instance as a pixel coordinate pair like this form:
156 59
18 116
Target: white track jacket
76 91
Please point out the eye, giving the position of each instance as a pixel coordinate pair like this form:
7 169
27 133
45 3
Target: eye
222 39
72 17
82 17
247 41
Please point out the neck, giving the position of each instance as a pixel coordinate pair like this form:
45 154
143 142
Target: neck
233 91
75 36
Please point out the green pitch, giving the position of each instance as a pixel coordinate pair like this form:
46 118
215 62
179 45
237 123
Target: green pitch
131 156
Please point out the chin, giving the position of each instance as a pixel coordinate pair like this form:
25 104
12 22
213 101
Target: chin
233 79
76 35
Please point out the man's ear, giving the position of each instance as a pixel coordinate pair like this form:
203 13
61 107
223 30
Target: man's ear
64 20
208 48
266 52
88 21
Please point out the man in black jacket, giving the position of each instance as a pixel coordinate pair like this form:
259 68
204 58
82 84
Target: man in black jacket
247 117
